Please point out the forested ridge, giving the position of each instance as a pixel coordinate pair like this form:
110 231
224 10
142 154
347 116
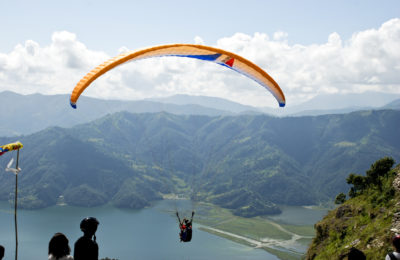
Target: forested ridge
247 163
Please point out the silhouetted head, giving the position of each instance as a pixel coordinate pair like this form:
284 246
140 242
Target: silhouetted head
1 251
396 242
58 245
89 225
356 254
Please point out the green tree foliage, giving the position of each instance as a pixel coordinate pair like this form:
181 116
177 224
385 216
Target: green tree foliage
374 176
379 169
359 183
340 198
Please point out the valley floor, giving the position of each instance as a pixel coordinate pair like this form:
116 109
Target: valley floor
285 240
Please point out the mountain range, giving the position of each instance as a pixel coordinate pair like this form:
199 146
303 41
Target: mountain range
26 114
247 163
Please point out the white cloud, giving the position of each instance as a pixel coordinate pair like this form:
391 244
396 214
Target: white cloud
198 40
52 69
369 60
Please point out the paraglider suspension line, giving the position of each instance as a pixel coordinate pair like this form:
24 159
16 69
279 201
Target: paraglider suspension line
15 208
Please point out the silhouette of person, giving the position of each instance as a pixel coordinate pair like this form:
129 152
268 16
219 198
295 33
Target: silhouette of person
59 248
1 252
396 246
86 248
356 254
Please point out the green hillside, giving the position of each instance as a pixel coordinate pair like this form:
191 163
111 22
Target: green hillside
365 220
247 163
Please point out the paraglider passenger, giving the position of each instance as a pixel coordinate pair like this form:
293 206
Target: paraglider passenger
1 252
185 227
396 253
86 248
59 248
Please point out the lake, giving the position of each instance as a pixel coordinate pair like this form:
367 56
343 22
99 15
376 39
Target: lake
151 233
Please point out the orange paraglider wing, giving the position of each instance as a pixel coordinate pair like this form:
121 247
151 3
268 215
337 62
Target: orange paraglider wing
219 56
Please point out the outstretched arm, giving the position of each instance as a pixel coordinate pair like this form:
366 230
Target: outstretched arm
191 219
177 214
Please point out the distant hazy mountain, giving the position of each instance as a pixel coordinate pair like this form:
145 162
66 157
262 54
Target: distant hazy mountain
320 105
330 111
393 105
246 163
340 101
211 102
25 114
337 104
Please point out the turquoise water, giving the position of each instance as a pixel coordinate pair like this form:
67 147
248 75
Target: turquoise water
297 215
150 233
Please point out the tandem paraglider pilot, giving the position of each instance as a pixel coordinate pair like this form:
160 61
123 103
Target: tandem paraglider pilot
86 247
185 226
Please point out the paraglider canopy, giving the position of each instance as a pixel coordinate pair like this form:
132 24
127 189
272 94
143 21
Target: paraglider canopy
201 52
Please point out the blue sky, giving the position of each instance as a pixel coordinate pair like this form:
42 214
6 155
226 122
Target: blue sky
109 25
102 29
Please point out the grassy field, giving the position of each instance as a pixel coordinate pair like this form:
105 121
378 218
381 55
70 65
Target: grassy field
279 253
261 232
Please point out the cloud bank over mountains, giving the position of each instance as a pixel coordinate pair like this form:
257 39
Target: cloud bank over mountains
368 61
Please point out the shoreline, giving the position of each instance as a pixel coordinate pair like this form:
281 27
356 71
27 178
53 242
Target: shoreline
285 241
264 242
277 247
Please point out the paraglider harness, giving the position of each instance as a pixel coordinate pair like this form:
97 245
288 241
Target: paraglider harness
392 256
185 226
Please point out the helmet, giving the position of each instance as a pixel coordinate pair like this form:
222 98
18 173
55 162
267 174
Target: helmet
89 223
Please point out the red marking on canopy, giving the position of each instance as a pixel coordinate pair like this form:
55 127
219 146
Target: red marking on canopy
230 62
